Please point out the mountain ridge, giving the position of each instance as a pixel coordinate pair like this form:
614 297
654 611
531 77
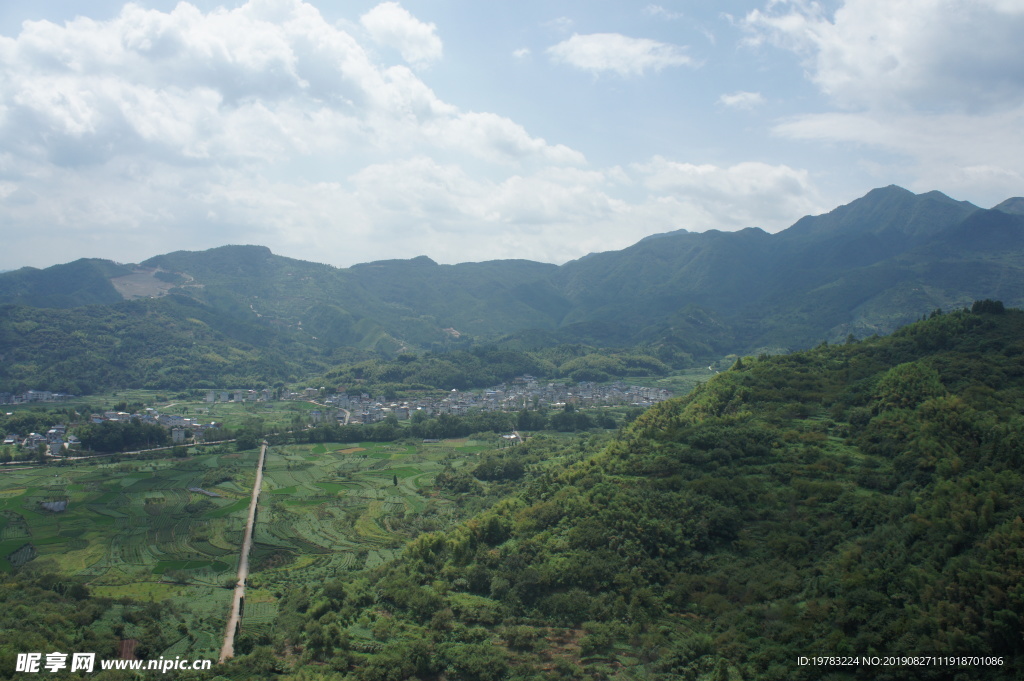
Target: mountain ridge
866 267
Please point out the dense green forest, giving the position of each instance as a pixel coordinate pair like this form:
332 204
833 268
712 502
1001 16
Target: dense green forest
170 343
175 343
862 499
147 344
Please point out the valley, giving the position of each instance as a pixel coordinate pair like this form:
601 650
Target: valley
706 456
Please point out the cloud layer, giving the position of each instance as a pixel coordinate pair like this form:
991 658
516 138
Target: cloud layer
390 24
937 55
741 100
156 131
940 83
600 52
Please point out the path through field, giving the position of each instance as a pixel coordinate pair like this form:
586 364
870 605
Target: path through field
228 649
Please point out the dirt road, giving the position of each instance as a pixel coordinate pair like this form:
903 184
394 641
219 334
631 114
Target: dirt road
228 649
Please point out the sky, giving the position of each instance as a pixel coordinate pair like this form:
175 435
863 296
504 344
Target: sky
467 131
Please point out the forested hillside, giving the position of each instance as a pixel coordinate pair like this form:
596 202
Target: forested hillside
858 499
170 343
683 297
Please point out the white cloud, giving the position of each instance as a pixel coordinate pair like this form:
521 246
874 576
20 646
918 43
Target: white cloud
741 100
521 53
444 211
937 85
498 139
659 11
598 52
930 55
560 24
156 131
391 25
749 194
262 83
553 214
981 156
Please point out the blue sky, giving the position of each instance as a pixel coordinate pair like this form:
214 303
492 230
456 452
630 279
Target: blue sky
357 131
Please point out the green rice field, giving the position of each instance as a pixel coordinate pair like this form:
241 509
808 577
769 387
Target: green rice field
141 529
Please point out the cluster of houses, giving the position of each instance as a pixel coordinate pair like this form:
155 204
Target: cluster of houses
182 428
524 392
56 441
33 396
59 443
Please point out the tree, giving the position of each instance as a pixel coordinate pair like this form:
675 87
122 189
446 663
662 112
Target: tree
988 307
245 441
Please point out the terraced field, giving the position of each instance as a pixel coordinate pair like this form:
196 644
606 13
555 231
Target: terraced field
133 529
141 530
339 503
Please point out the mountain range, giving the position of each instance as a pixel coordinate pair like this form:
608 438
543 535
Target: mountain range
867 267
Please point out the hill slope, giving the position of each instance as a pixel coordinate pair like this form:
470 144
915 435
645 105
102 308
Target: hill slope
868 267
863 499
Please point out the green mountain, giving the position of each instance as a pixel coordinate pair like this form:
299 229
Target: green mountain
171 343
867 267
857 500
82 282
1014 206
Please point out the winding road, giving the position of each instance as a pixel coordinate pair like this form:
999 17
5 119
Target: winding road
228 649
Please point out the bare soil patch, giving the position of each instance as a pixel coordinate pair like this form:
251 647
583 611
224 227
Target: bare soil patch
141 284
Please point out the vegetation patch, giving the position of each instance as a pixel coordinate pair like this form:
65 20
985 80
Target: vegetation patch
163 566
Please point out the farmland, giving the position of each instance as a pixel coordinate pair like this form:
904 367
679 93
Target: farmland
272 416
169 530
329 508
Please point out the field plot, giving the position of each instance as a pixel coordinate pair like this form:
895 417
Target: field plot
150 530
329 508
274 416
134 530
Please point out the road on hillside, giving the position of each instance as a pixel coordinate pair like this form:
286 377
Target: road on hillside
228 649
348 415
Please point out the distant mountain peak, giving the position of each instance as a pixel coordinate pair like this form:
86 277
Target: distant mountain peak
418 261
891 213
661 235
888 190
244 248
1014 206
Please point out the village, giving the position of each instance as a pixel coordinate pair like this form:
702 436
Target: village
59 442
524 392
